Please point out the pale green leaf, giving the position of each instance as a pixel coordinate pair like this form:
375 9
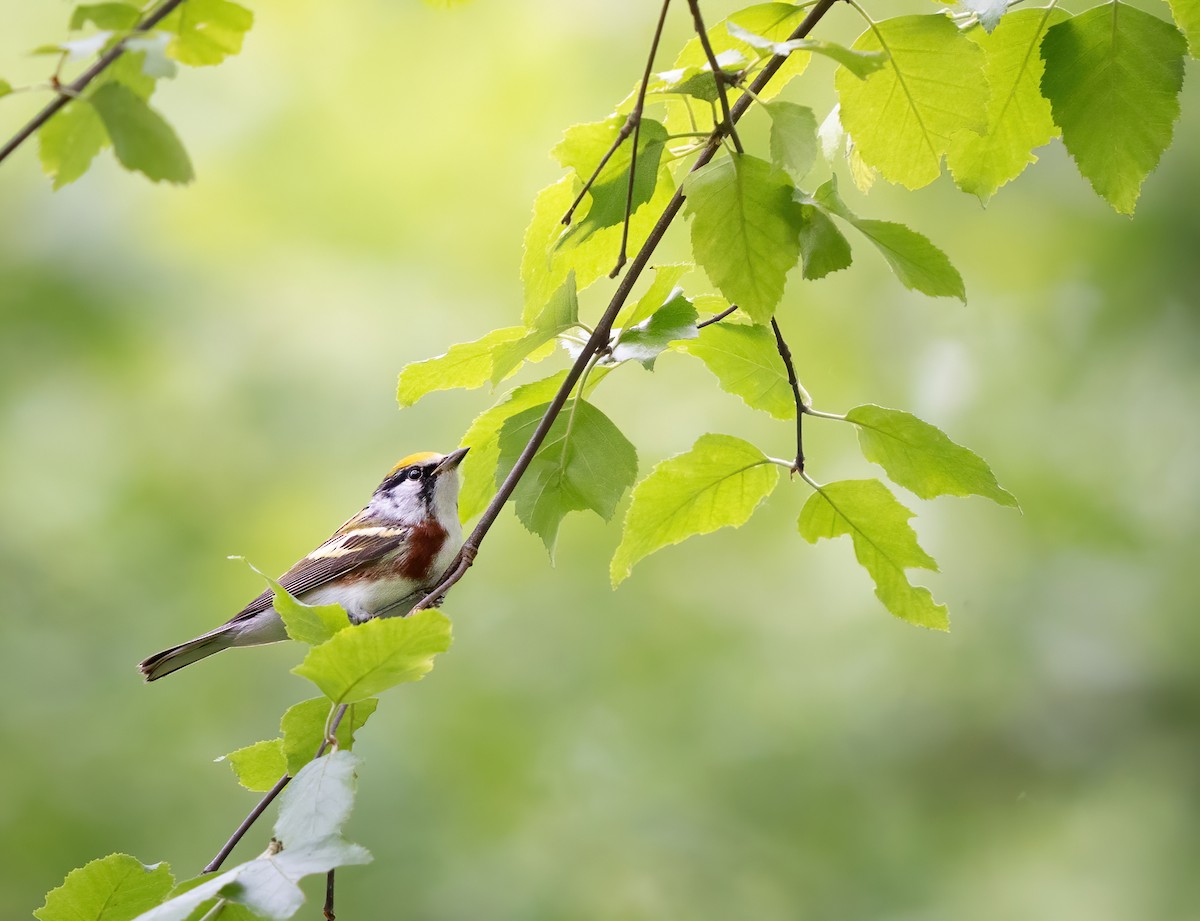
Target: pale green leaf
1187 16
69 142
661 290
585 463
919 456
918 264
697 81
717 484
308 623
258 767
859 63
113 888
745 230
746 363
793 137
131 71
885 545
1018 117
903 116
303 728
467 365
141 139
318 801
207 31
644 342
1113 76
117 17
770 21
366 659
560 313
5 88
823 248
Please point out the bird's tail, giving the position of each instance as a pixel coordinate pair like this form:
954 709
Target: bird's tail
175 658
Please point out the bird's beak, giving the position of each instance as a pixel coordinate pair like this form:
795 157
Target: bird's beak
450 461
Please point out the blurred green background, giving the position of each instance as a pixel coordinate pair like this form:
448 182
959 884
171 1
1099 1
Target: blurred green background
741 730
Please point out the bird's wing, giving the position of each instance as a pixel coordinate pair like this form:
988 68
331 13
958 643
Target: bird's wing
352 545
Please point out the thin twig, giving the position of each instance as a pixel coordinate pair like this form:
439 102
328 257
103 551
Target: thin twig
718 318
636 115
329 915
801 407
599 338
73 89
718 74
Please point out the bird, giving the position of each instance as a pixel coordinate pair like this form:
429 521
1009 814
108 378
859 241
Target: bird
381 562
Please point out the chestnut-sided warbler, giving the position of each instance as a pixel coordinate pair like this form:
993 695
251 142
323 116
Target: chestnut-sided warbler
379 563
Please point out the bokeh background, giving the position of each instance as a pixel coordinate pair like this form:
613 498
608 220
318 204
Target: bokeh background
740 730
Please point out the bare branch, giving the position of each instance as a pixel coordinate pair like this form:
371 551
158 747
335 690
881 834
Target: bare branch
718 318
801 407
718 75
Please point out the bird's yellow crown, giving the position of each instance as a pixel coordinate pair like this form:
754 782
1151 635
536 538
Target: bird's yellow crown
419 458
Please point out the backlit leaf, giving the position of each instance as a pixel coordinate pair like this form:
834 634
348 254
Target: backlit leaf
903 116
141 138
113 888
885 545
1113 76
117 17
258 767
303 728
1187 17
746 363
559 314
859 63
674 321
467 365
823 248
207 31
793 137
69 142
661 290
717 484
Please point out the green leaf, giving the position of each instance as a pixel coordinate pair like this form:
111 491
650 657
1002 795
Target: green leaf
903 117
113 888
661 290
859 63
207 31
141 139
303 728
717 484
746 363
584 463
771 21
584 146
674 321
5 88
130 70
560 313
1018 117
745 230
1187 16
318 801
918 264
118 17
698 81
1113 76
823 248
308 623
258 767
885 545
793 137
369 658
69 142
467 365
919 456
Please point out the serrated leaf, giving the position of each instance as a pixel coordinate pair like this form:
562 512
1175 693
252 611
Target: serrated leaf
1018 117
932 85
560 313
717 484
823 248
1113 76
745 230
318 801
130 70
113 888
661 290
465 365
885 545
207 31
367 659
1187 17
258 767
746 363
117 17
308 623
859 63
644 342
771 21
918 264
988 12
141 138
69 142
584 463
921 458
303 728
793 137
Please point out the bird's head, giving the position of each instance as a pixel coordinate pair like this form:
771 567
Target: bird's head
420 487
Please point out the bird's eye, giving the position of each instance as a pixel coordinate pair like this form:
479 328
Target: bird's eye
414 473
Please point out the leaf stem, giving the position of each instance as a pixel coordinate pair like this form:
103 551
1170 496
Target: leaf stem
718 75
801 407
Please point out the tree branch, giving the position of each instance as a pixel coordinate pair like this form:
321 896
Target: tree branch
718 76
328 910
72 90
718 317
801 407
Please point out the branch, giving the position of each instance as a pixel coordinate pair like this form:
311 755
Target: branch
72 90
636 116
718 318
328 911
801 408
600 336
718 76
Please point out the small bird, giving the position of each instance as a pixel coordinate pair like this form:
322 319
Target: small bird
379 563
